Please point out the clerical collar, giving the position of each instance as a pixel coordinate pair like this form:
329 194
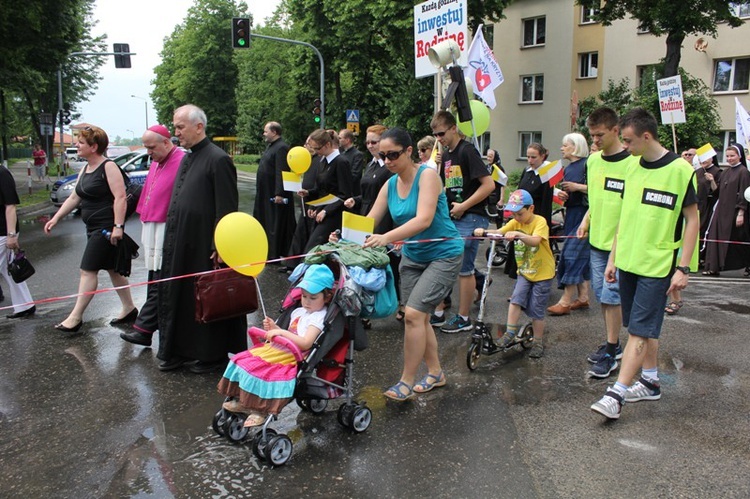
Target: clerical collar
200 145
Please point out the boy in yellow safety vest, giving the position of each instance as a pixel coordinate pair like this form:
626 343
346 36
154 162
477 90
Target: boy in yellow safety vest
659 195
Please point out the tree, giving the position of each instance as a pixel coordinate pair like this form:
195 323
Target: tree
702 116
198 67
35 41
673 18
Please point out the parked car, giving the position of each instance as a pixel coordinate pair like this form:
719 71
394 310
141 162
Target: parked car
134 164
74 162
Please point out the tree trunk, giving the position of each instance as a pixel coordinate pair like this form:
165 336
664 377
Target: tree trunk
672 59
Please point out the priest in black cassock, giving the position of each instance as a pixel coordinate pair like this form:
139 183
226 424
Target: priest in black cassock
204 191
274 208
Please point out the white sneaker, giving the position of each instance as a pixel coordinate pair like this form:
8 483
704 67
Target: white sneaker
609 405
643 389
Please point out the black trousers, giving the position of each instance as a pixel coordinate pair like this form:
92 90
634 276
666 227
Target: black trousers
148 318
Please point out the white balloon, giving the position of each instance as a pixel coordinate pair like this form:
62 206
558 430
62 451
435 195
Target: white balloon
747 194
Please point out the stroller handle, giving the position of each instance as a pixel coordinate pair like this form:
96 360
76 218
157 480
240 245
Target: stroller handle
259 334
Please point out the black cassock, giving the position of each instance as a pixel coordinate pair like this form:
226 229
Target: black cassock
204 191
277 219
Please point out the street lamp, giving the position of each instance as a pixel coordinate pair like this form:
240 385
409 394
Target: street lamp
145 107
131 131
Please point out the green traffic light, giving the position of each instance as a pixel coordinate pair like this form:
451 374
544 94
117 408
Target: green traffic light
317 119
241 42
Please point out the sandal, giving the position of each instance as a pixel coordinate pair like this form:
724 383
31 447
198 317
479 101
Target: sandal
254 420
711 273
234 406
395 393
673 307
426 385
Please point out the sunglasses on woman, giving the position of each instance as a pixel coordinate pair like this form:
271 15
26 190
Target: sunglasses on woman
391 155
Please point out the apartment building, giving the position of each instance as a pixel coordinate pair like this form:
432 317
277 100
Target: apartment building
551 51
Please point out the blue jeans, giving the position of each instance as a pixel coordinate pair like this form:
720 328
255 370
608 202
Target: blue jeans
466 225
607 293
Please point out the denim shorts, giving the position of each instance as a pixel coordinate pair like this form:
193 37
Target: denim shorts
532 296
643 302
466 225
607 293
424 285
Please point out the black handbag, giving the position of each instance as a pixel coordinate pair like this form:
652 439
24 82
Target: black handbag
19 267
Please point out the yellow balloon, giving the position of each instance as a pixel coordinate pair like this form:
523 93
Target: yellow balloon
299 159
481 115
241 240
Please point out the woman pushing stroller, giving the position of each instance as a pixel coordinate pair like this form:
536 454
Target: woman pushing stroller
261 380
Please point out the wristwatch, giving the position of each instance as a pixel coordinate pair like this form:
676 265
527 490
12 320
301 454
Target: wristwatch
119 226
685 270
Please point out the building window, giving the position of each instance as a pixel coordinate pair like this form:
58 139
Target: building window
532 88
534 31
646 74
643 29
740 9
588 65
732 75
525 139
587 15
489 34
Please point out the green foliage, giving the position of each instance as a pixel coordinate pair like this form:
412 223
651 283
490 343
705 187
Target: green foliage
668 17
703 121
246 159
36 38
198 67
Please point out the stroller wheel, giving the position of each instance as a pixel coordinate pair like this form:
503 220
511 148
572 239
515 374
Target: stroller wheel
527 336
344 414
279 450
218 423
472 356
500 256
234 429
260 441
360 419
316 406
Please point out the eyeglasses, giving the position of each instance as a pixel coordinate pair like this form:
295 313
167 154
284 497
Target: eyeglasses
423 149
372 142
440 134
391 155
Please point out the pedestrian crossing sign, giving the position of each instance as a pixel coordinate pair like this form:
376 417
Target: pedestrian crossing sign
352 115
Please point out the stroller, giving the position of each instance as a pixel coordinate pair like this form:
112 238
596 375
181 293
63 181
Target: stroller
324 373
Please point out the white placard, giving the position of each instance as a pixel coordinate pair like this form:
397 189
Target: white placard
436 21
671 100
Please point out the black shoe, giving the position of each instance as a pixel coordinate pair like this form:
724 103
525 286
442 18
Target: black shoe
172 364
137 338
128 319
23 313
66 329
201 367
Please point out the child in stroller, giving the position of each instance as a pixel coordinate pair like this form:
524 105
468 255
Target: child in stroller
261 381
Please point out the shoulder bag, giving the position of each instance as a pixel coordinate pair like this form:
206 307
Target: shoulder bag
223 295
19 267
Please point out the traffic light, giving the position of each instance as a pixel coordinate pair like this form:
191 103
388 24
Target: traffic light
121 60
240 32
317 110
65 114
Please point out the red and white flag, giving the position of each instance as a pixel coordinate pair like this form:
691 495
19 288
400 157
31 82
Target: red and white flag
743 124
483 71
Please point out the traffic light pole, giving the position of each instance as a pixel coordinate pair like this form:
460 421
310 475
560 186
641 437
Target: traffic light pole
322 71
60 100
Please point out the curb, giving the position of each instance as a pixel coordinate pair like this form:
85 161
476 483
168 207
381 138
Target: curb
34 208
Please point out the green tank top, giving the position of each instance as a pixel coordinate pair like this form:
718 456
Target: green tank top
606 180
647 238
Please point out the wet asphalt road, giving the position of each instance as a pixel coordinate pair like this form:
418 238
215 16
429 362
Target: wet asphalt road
88 415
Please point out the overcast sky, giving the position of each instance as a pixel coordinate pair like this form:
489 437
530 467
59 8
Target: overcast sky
143 24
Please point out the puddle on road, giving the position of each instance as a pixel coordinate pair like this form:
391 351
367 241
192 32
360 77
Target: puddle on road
737 308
